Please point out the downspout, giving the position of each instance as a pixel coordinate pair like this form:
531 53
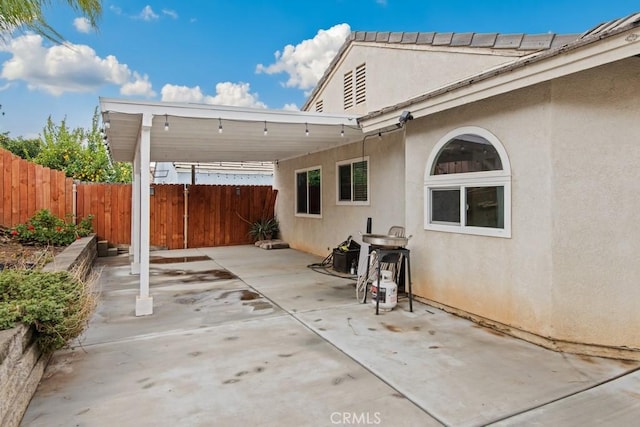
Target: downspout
186 215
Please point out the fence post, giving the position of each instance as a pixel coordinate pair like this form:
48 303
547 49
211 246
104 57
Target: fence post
74 202
186 216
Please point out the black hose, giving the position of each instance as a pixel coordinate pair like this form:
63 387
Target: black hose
324 266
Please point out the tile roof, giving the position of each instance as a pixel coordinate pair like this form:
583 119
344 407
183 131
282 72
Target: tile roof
548 50
522 42
525 43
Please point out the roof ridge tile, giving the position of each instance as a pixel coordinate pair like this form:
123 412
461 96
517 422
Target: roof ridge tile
461 39
382 36
425 38
396 37
370 36
441 39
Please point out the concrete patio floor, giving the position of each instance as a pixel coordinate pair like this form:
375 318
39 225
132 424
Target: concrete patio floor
255 338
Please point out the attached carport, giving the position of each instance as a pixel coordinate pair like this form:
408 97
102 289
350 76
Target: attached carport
142 132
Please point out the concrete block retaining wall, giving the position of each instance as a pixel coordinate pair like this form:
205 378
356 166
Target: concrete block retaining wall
21 361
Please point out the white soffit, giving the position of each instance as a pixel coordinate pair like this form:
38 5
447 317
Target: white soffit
193 132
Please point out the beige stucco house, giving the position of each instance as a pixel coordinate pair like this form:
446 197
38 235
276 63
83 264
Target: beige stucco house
514 168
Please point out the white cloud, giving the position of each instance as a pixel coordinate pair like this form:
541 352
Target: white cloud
115 9
291 107
170 13
174 93
139 86
227 93
238 94
67 68
82 25
306 62
147 14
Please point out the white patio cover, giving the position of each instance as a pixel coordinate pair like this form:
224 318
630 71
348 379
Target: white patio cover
143 132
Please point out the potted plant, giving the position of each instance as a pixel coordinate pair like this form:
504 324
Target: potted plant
264 229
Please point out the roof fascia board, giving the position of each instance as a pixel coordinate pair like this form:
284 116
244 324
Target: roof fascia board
465 91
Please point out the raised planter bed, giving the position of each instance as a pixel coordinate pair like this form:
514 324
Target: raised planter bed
22 364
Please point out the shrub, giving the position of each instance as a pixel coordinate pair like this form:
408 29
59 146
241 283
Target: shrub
264 229
57 304
44 228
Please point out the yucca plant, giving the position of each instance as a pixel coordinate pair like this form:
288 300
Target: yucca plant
264 229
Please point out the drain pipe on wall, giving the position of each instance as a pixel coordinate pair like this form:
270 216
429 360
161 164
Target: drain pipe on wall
186 215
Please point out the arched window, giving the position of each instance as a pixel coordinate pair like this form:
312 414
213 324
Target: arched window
467 184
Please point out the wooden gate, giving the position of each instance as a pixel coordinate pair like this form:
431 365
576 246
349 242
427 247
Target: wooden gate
217 215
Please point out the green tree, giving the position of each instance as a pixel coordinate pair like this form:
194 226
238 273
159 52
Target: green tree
29 15
26 148
122 172
81 154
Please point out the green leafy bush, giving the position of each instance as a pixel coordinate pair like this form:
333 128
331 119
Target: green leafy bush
44 228
57 304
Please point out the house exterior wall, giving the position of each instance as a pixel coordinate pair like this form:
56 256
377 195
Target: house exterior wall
423 69
596 238
568 271
386 208
507 280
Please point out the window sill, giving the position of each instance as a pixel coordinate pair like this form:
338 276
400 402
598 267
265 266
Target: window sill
475 231
344 203
300 215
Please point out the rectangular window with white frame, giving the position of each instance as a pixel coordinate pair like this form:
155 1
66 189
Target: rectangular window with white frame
352 182
475 208
309 192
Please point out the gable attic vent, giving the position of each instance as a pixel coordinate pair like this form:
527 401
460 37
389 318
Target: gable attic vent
348 90
361 85
319 106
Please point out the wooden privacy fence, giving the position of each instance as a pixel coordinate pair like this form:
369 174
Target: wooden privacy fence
110 205
26 188
209 215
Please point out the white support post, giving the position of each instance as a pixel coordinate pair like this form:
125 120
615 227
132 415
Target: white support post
144 302
135 217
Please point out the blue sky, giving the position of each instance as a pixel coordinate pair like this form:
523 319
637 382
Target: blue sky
266 53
